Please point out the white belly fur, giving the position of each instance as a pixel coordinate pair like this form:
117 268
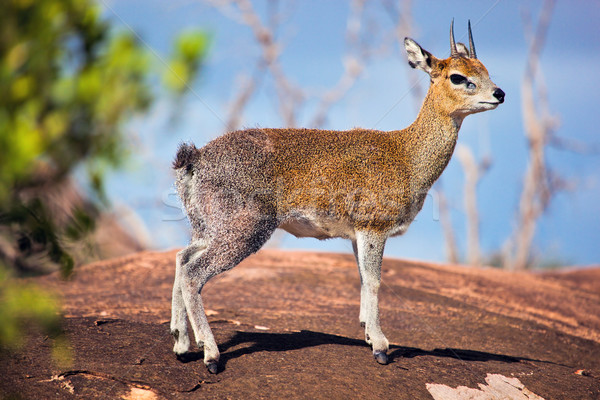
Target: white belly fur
323 227
318 227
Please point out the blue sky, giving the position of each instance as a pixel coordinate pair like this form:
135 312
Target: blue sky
314 36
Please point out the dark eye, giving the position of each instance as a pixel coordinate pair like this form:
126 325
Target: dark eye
457 79
471 85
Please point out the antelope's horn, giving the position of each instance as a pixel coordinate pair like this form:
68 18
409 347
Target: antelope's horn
471 44
453 51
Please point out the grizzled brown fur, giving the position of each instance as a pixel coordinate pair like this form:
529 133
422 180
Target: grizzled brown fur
363 185
372 179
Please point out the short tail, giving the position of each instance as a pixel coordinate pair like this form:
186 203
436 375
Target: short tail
187 154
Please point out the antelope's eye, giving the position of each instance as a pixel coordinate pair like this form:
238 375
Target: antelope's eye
457 79
471 85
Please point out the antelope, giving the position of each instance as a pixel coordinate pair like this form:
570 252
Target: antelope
362 185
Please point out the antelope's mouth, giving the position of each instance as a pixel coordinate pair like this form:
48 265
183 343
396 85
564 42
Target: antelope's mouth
490 104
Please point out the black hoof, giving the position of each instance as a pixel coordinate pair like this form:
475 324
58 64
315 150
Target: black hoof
212 367
381 357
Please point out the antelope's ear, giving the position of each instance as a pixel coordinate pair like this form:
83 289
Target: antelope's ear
462 50
419 57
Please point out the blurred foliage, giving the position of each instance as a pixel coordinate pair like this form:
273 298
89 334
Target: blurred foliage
22 304
189 51
68 83
25 306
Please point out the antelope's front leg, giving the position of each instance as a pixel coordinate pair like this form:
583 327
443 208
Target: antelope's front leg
369 254
363 312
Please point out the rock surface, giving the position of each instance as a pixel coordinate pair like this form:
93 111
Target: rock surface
287 327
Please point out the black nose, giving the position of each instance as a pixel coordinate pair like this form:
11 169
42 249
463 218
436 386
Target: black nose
499 94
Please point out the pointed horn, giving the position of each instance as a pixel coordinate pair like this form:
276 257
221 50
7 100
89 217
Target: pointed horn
471 44
453 51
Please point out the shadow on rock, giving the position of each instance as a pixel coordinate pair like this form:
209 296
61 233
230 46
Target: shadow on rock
458 354
264 341
276 342
463 355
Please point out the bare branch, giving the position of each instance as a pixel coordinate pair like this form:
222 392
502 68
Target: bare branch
353 67
471 169
289 95
574 145
538 125
447 229
402 17
237 106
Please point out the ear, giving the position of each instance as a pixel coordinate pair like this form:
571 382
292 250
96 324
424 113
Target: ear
418 57
462 50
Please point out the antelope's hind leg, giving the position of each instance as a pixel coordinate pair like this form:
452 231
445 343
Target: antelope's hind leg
179 329
192 278
227 247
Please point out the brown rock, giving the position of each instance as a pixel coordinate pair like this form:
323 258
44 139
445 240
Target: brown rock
287 327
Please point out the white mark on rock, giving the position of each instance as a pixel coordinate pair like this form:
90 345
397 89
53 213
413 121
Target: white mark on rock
261 328
140 394
496 387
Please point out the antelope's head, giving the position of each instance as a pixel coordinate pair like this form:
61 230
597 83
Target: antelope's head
460 84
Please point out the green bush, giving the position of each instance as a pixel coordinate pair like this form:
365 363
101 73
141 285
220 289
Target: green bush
68 83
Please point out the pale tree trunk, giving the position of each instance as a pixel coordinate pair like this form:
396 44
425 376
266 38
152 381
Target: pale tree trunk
471 169
538 124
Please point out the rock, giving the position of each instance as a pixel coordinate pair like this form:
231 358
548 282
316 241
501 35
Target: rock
450 326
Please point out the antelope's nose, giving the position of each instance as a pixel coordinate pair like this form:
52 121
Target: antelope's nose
499 94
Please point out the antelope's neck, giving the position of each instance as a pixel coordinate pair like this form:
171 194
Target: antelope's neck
429 142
